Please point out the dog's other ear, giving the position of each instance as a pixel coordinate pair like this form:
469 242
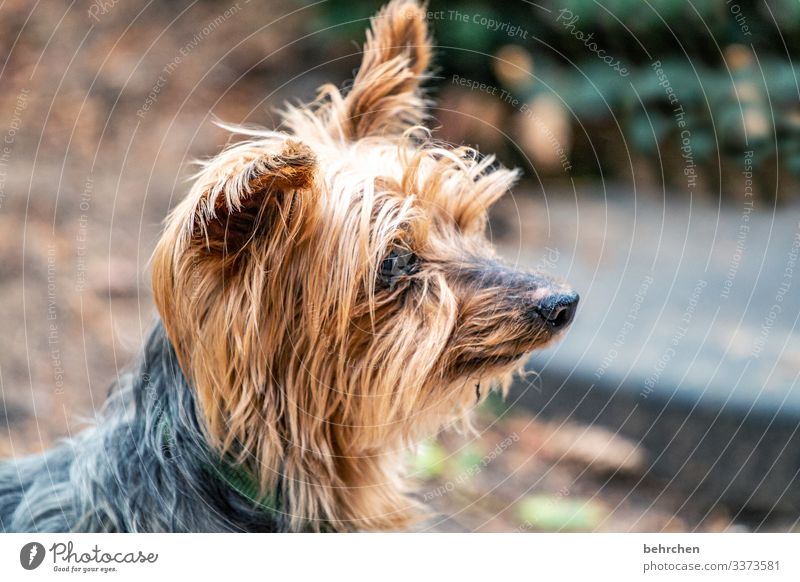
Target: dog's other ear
246 187
385 97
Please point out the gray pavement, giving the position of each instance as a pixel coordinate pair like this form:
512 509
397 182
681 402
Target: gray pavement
686 339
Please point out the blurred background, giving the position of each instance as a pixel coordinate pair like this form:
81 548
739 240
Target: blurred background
660 144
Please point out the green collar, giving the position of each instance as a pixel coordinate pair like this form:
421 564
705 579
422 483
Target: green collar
243 482
236 476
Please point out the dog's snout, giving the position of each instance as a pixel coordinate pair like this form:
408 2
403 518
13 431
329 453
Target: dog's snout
558 310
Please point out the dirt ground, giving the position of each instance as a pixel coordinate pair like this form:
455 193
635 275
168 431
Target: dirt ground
521 475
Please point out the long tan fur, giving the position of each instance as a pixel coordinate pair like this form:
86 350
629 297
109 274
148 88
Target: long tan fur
310 375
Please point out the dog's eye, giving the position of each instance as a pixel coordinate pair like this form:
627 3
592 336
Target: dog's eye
397 263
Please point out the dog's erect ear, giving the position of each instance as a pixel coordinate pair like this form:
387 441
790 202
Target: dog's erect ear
238 190
385 96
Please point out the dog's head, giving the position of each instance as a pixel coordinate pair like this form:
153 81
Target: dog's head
332 295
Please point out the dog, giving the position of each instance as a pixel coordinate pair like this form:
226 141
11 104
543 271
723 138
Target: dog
327 298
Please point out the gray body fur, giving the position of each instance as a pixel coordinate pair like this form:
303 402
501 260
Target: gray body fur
145 467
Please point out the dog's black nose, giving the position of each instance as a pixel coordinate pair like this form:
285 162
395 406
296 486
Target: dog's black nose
558 310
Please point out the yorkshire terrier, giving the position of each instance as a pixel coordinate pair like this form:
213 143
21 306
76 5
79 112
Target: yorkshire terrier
328 298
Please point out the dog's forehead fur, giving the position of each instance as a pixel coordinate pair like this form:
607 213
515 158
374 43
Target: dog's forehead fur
421 191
